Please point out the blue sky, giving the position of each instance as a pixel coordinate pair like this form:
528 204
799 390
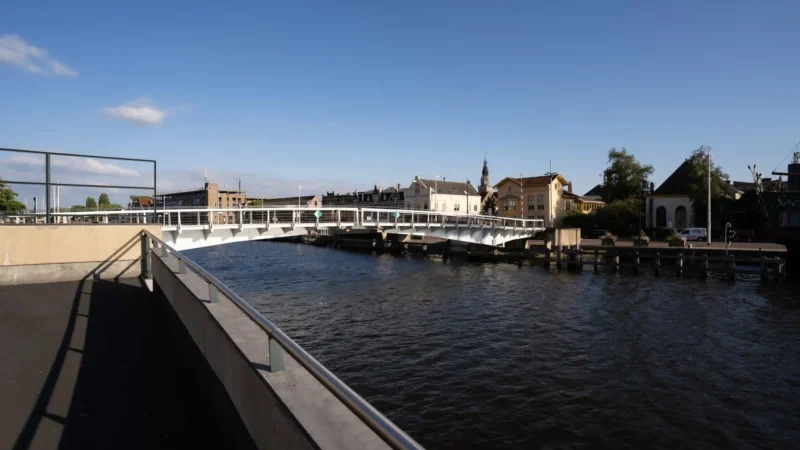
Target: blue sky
344 94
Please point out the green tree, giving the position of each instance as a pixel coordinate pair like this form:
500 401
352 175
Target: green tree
625 177
256 203
103 200
490 206
91 203
8 199
698 187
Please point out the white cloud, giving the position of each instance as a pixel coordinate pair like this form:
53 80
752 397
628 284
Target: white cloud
71 164
140 111
15 51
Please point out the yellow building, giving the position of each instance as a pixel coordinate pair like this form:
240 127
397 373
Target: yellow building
547 197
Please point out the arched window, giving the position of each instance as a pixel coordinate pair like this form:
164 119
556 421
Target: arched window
680 217
661 217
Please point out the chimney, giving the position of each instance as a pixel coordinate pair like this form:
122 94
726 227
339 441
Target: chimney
569 187
398 186
652 188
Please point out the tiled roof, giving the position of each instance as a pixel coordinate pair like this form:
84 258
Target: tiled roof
450 187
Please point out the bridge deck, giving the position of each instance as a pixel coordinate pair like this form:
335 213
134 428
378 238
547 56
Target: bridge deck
84 365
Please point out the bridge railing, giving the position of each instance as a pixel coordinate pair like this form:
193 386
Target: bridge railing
280 342
285 216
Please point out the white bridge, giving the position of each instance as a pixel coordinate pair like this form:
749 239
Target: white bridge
185 229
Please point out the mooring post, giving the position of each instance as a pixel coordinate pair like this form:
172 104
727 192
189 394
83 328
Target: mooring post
679 263
558 258
732 268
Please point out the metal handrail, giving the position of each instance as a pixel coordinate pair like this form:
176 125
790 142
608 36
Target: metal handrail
382 426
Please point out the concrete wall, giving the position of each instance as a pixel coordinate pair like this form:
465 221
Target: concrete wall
288 409
51 253
563 237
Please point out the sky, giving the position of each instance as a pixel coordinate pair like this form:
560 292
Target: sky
343 95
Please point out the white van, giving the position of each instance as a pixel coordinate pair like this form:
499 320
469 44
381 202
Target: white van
693 234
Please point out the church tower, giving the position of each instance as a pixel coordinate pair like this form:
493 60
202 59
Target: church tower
485 188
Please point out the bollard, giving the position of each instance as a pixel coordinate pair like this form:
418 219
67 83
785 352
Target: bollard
679 263
657 264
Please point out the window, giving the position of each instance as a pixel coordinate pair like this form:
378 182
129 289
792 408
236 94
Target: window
505 205
408 205
426 206
456 206
531 204
512 205
568 205
416 188
661 217
416 205
474 207
509 188
540 202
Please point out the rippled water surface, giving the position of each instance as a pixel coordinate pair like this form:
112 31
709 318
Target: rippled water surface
476 355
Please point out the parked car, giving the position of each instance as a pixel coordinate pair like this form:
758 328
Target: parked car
597 234
693 234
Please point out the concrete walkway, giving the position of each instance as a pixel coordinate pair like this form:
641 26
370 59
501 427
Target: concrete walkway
84 365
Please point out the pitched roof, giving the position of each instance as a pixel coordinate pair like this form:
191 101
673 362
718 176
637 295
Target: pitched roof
542 180
678 182
284 201
450 187
597 190
731 191
581 198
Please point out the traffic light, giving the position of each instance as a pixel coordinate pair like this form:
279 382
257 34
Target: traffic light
731 236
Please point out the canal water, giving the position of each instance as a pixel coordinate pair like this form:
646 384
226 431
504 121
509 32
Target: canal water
480 355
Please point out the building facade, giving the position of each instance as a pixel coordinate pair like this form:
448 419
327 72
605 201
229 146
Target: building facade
209 196
442 195
393 197
533 198
306 201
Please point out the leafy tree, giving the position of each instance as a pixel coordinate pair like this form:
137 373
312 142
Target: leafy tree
103 200
8 199
698 187
490 206
256 203
77 208
91 203
625 177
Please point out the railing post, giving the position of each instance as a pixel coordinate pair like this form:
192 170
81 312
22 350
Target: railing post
47 188
213 293
275 356
146 269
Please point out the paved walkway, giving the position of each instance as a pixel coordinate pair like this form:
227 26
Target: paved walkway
84 365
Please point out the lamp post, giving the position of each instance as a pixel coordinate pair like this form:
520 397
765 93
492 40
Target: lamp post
708 218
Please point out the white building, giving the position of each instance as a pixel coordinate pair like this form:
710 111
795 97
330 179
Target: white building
441 195
669 206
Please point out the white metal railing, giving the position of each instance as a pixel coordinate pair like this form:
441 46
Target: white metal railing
284 216
280 342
